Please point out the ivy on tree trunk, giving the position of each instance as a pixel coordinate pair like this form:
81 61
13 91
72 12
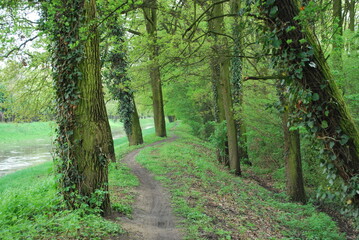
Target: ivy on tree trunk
84 139
322 108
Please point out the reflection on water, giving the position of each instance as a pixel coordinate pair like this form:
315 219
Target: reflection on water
16 157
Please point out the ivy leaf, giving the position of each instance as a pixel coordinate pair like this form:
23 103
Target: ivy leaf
344 139
331 144
324 124
273 11
276 42
270 2
315 97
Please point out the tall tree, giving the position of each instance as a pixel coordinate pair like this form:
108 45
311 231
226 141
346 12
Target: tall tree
292 155
326 115
119 85
150 14
236 81
84 139
351 14
222 53
219 113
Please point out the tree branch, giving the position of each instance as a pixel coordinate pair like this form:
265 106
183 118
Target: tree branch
134 32
19 47
275 77
201 16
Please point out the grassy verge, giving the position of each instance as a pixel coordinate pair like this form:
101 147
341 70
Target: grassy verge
217 205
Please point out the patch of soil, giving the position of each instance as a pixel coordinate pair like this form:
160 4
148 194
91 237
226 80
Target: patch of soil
152 217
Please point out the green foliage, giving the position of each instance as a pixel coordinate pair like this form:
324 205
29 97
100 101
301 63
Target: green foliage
219 137
28 93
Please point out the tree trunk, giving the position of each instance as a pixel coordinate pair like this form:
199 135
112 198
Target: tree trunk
135 137
224 84
337 36
84 139
150 15
219 113
119 85
237 84
327 112
292 156
352 15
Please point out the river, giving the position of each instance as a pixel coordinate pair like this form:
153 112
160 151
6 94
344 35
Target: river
29 153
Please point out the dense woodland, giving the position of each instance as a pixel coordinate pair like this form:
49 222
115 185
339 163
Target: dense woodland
272 85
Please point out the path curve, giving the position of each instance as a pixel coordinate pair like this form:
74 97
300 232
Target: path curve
152 216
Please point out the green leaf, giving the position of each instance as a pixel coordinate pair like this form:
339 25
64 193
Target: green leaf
331 144
344 139
270 2
324 124
302 40
276 42
315 97
273 12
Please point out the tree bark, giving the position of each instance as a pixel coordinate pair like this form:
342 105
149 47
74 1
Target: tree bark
135 137
292 155
93 132
337 36
329 113
237 84
150 15
84 138
352 15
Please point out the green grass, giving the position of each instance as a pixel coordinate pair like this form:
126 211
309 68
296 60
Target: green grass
30 208
217 205
11 133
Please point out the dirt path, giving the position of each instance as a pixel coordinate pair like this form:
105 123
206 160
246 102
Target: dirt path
152 216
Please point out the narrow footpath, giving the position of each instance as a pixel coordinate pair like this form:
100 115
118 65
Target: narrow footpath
152 216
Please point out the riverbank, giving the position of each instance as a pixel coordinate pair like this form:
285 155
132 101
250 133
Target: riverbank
27 144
